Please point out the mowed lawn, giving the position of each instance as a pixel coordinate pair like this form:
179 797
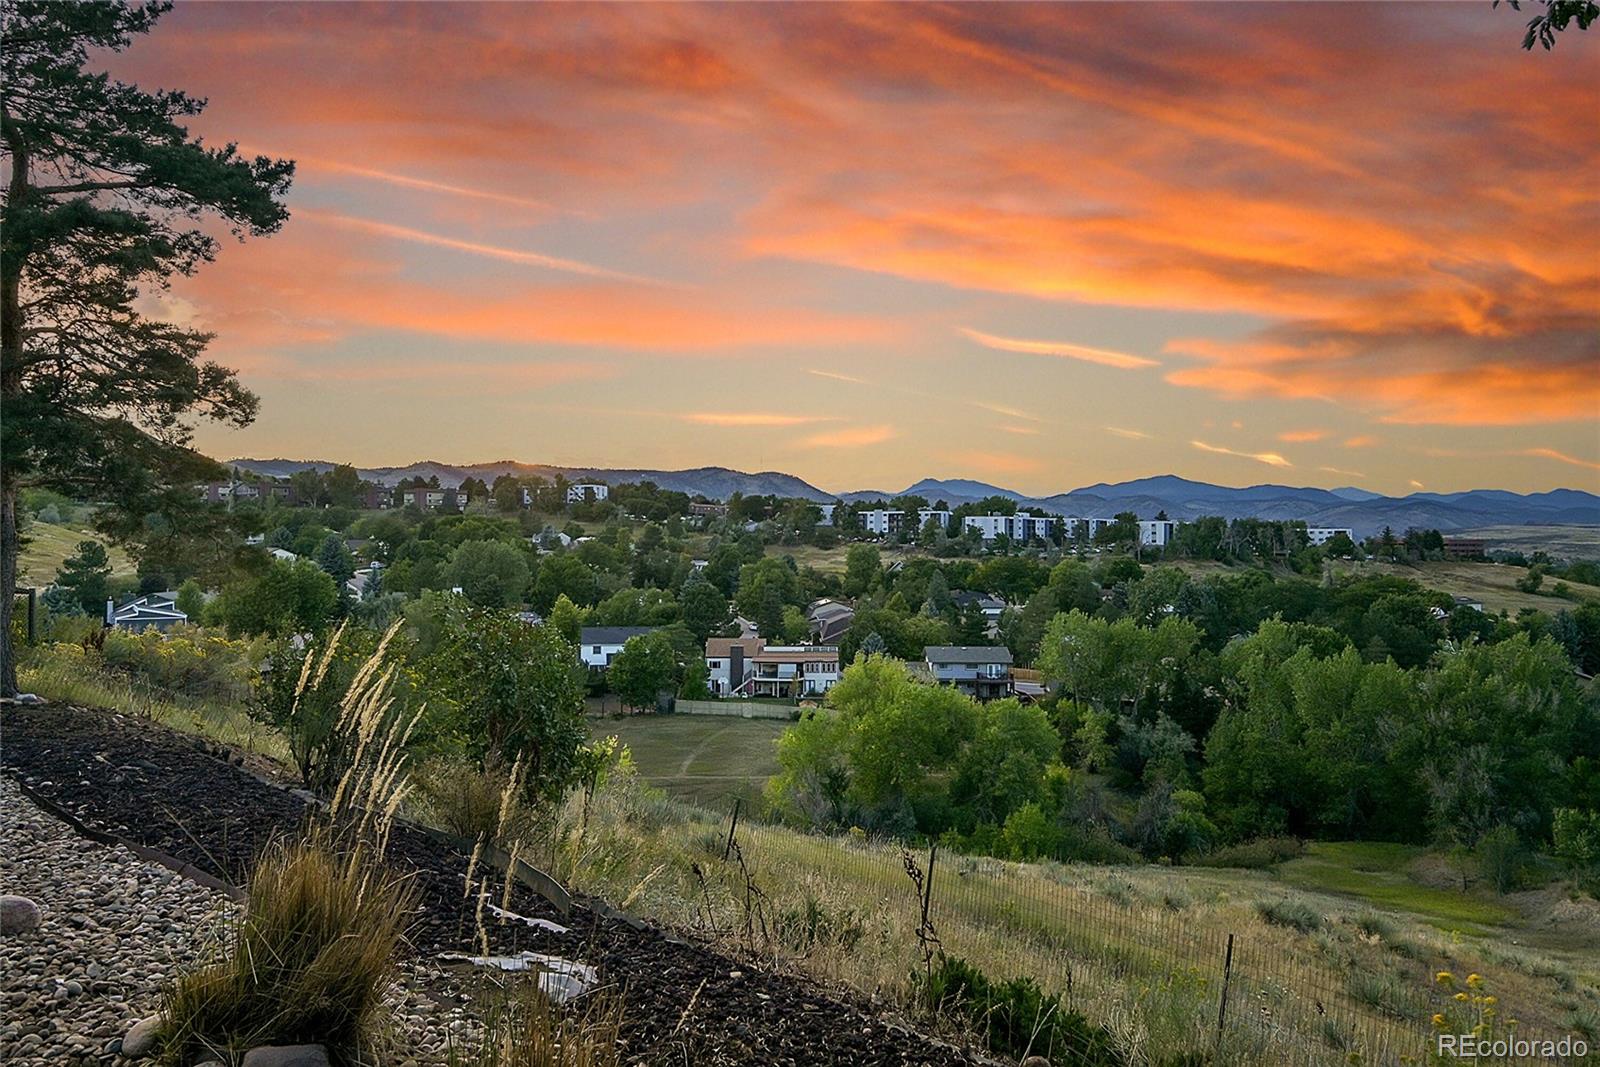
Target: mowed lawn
704 759
1379 873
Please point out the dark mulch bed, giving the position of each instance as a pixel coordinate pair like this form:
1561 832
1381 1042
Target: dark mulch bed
184 797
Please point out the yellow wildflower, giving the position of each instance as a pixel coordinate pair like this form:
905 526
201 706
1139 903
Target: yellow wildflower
1438 1020
1461 997
1444 978
1474 980
1491 999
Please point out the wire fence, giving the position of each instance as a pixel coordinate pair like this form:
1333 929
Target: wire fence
1171 978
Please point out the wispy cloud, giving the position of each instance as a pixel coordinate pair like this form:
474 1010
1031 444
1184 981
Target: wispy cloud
475 248
1064 349
995 462
836 376
850 437
427 185
1560 457
1022 431
1416 484
1271 459
752 418
1360 441
1132 435
1341 470
1301 436
1008 412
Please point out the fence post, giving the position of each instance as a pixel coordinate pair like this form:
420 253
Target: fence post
732 826
1227 975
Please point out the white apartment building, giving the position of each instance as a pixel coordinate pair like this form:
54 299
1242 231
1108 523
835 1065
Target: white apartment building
578 492
1156 532
1321 535
939 515
883 521
1018 527
827 514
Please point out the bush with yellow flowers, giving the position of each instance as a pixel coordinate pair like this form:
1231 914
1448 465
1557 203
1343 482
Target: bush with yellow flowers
1471 1009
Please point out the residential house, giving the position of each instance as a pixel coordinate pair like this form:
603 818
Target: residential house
829 620
599 645
377 497
745 667
251 492
982 671
282 554
1321 535
708 509
366 581
153 611
578 492
430 498
991 607
1156 533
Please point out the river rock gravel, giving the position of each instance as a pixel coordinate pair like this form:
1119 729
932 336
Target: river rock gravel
112 929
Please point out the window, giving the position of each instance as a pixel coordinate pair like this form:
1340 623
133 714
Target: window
595 650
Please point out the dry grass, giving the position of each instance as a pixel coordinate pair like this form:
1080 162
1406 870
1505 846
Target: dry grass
1138 950
307 962
48 544
526 1030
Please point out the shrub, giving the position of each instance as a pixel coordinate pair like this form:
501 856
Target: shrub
468 802
308 960
1501 858
1293 913
1015 1017
1253 854
1380 990
1374 924
527 1031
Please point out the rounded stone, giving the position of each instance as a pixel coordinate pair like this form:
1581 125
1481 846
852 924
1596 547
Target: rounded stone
18 915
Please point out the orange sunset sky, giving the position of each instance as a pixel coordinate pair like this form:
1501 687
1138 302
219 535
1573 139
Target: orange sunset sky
1037 245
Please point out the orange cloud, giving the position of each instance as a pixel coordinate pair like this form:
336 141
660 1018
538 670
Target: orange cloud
854 437
1560 457
1066 350
1360 441
1301 436
751 418
1132 435
1008 412
995 462
1271 459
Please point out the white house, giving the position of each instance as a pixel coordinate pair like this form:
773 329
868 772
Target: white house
578 492
883 521
749 667
1156 532
599 645
1321 535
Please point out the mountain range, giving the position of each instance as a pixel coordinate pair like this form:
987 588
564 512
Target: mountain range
1182 499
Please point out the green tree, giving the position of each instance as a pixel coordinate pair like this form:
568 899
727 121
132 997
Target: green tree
105 201
287 598
85 578
643 670
863 569
491 574
567 620
705 611
516 694
333 556
191 600
564 574
1556 16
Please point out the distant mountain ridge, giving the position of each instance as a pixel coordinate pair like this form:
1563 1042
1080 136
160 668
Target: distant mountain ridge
1182 499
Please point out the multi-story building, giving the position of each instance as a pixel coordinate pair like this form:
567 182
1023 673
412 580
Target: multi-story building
578 492
1321 535
982 671
1156 532
430 497
1018 527
749 667
885 522
827 514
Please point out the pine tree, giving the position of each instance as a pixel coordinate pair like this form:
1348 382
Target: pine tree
105 201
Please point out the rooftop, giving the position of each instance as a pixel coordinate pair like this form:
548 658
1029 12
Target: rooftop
967 654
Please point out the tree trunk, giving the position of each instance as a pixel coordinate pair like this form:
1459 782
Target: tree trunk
8 584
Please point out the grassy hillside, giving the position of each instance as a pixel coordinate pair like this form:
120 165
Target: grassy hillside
1495 585
49 543
1564 542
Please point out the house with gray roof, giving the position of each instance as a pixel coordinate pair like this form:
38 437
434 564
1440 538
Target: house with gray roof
599 645
982 671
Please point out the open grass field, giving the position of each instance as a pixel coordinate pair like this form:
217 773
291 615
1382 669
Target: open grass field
1493 584
1381 874
702 759
49 543
1564 542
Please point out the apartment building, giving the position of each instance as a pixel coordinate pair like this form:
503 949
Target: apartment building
1321 535
578 492
1156 532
